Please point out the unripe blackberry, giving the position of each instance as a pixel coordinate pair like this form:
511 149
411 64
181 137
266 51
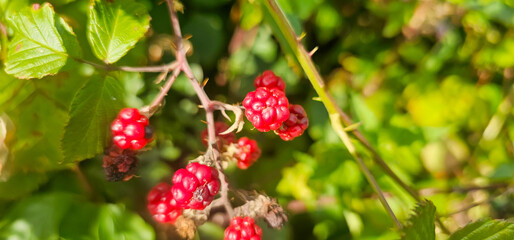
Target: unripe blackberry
161 204
247 152
269 80
266 108
295 125
243 229
129 129
195 186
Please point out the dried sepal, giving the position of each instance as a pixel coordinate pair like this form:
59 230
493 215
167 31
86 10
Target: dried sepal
262 206
119 164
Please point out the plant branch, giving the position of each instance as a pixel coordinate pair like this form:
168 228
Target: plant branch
183 65
314 77
376 157
164 91
304 58
338 128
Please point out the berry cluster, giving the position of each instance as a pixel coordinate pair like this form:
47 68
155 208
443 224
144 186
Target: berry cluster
267 108
248 152
195 186
161 204
130 129
243 229
295 125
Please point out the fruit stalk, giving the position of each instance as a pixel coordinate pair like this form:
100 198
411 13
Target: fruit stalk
183 66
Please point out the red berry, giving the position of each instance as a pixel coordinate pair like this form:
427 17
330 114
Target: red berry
129 129
161 204
243 229
134 131
266 108
295 124
270 80
195 186
221 140
129 114
248 152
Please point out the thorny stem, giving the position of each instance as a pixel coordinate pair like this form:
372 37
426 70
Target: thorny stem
316 80
376 157
164 91
183 65
338 128
304 58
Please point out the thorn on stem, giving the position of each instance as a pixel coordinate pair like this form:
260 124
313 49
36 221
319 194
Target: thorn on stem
299 38
161 77
205 82
313 51
352 127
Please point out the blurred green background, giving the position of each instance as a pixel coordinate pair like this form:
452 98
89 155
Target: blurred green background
430 81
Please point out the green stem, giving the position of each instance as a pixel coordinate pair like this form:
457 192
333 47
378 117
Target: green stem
3 42
335 120
314 77
304 58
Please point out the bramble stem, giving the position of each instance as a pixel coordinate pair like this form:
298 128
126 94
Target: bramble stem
183 65
338 128
316 80
164 91
304 58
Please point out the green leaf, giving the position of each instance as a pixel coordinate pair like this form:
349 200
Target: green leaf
485 230
20 185
59 215
420 225
116 223
91 113
41 45
114 27
8 7
35 217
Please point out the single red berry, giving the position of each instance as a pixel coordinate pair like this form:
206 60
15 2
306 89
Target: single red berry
221 140
161 204
195 186
129 129
248 152
243 229
270 80
266 108
295 125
